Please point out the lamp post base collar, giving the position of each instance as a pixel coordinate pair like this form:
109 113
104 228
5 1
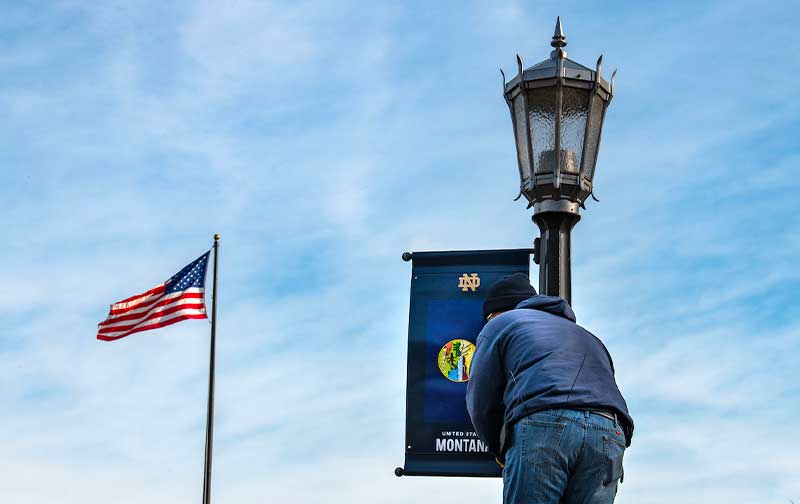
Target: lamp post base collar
559 205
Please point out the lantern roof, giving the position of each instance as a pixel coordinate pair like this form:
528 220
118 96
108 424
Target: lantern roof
558 66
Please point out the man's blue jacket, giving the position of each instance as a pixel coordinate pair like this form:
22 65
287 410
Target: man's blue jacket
534 358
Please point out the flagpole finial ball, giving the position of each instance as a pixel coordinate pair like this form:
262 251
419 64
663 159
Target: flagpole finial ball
216 237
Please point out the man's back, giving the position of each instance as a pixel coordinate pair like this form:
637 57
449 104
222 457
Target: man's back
535 358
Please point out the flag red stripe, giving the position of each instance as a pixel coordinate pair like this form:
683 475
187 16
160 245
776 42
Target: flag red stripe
176 305
153 326
144 304
158 289
164 301
155 320
144 318
149 302
111 331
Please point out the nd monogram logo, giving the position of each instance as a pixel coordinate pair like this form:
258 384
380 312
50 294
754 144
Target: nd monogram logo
469 282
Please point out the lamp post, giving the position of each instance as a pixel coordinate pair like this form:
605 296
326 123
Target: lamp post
557 109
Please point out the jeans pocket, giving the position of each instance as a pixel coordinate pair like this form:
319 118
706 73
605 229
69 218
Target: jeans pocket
613 452
541 439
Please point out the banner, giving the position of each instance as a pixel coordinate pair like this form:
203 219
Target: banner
447 293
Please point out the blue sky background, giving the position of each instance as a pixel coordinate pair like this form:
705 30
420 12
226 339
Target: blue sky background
323 139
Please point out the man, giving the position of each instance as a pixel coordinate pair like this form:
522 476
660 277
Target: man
542 396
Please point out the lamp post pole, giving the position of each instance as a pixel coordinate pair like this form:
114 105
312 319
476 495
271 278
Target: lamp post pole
554 247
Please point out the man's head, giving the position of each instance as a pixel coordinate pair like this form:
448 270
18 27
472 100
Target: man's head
507 293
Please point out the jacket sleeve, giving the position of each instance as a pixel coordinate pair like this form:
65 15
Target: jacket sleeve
486 387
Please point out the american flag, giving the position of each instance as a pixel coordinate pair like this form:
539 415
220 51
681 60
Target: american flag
179 298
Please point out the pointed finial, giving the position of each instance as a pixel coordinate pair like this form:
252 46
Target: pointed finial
559 40
598 69
614 74
519 66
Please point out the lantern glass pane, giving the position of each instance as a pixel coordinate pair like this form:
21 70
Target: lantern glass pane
521 132
542 107
592 141
574 109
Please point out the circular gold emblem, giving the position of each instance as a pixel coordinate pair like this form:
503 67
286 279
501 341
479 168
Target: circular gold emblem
455 359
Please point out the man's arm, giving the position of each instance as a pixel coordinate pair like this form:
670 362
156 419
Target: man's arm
486 386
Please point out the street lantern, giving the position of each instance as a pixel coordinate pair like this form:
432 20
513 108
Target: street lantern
557 109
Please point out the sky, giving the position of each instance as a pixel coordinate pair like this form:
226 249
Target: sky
324 139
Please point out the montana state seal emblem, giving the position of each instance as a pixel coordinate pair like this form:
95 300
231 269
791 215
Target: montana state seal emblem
455 359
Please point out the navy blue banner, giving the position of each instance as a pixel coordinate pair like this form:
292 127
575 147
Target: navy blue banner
447 292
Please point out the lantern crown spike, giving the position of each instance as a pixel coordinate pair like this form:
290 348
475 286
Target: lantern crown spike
598 69
614 74
559 40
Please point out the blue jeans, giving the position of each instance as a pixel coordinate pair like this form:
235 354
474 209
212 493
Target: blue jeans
563 457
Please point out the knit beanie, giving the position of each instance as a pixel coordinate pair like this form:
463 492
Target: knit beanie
507 293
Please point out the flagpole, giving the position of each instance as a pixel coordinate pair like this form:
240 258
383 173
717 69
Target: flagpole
210 417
